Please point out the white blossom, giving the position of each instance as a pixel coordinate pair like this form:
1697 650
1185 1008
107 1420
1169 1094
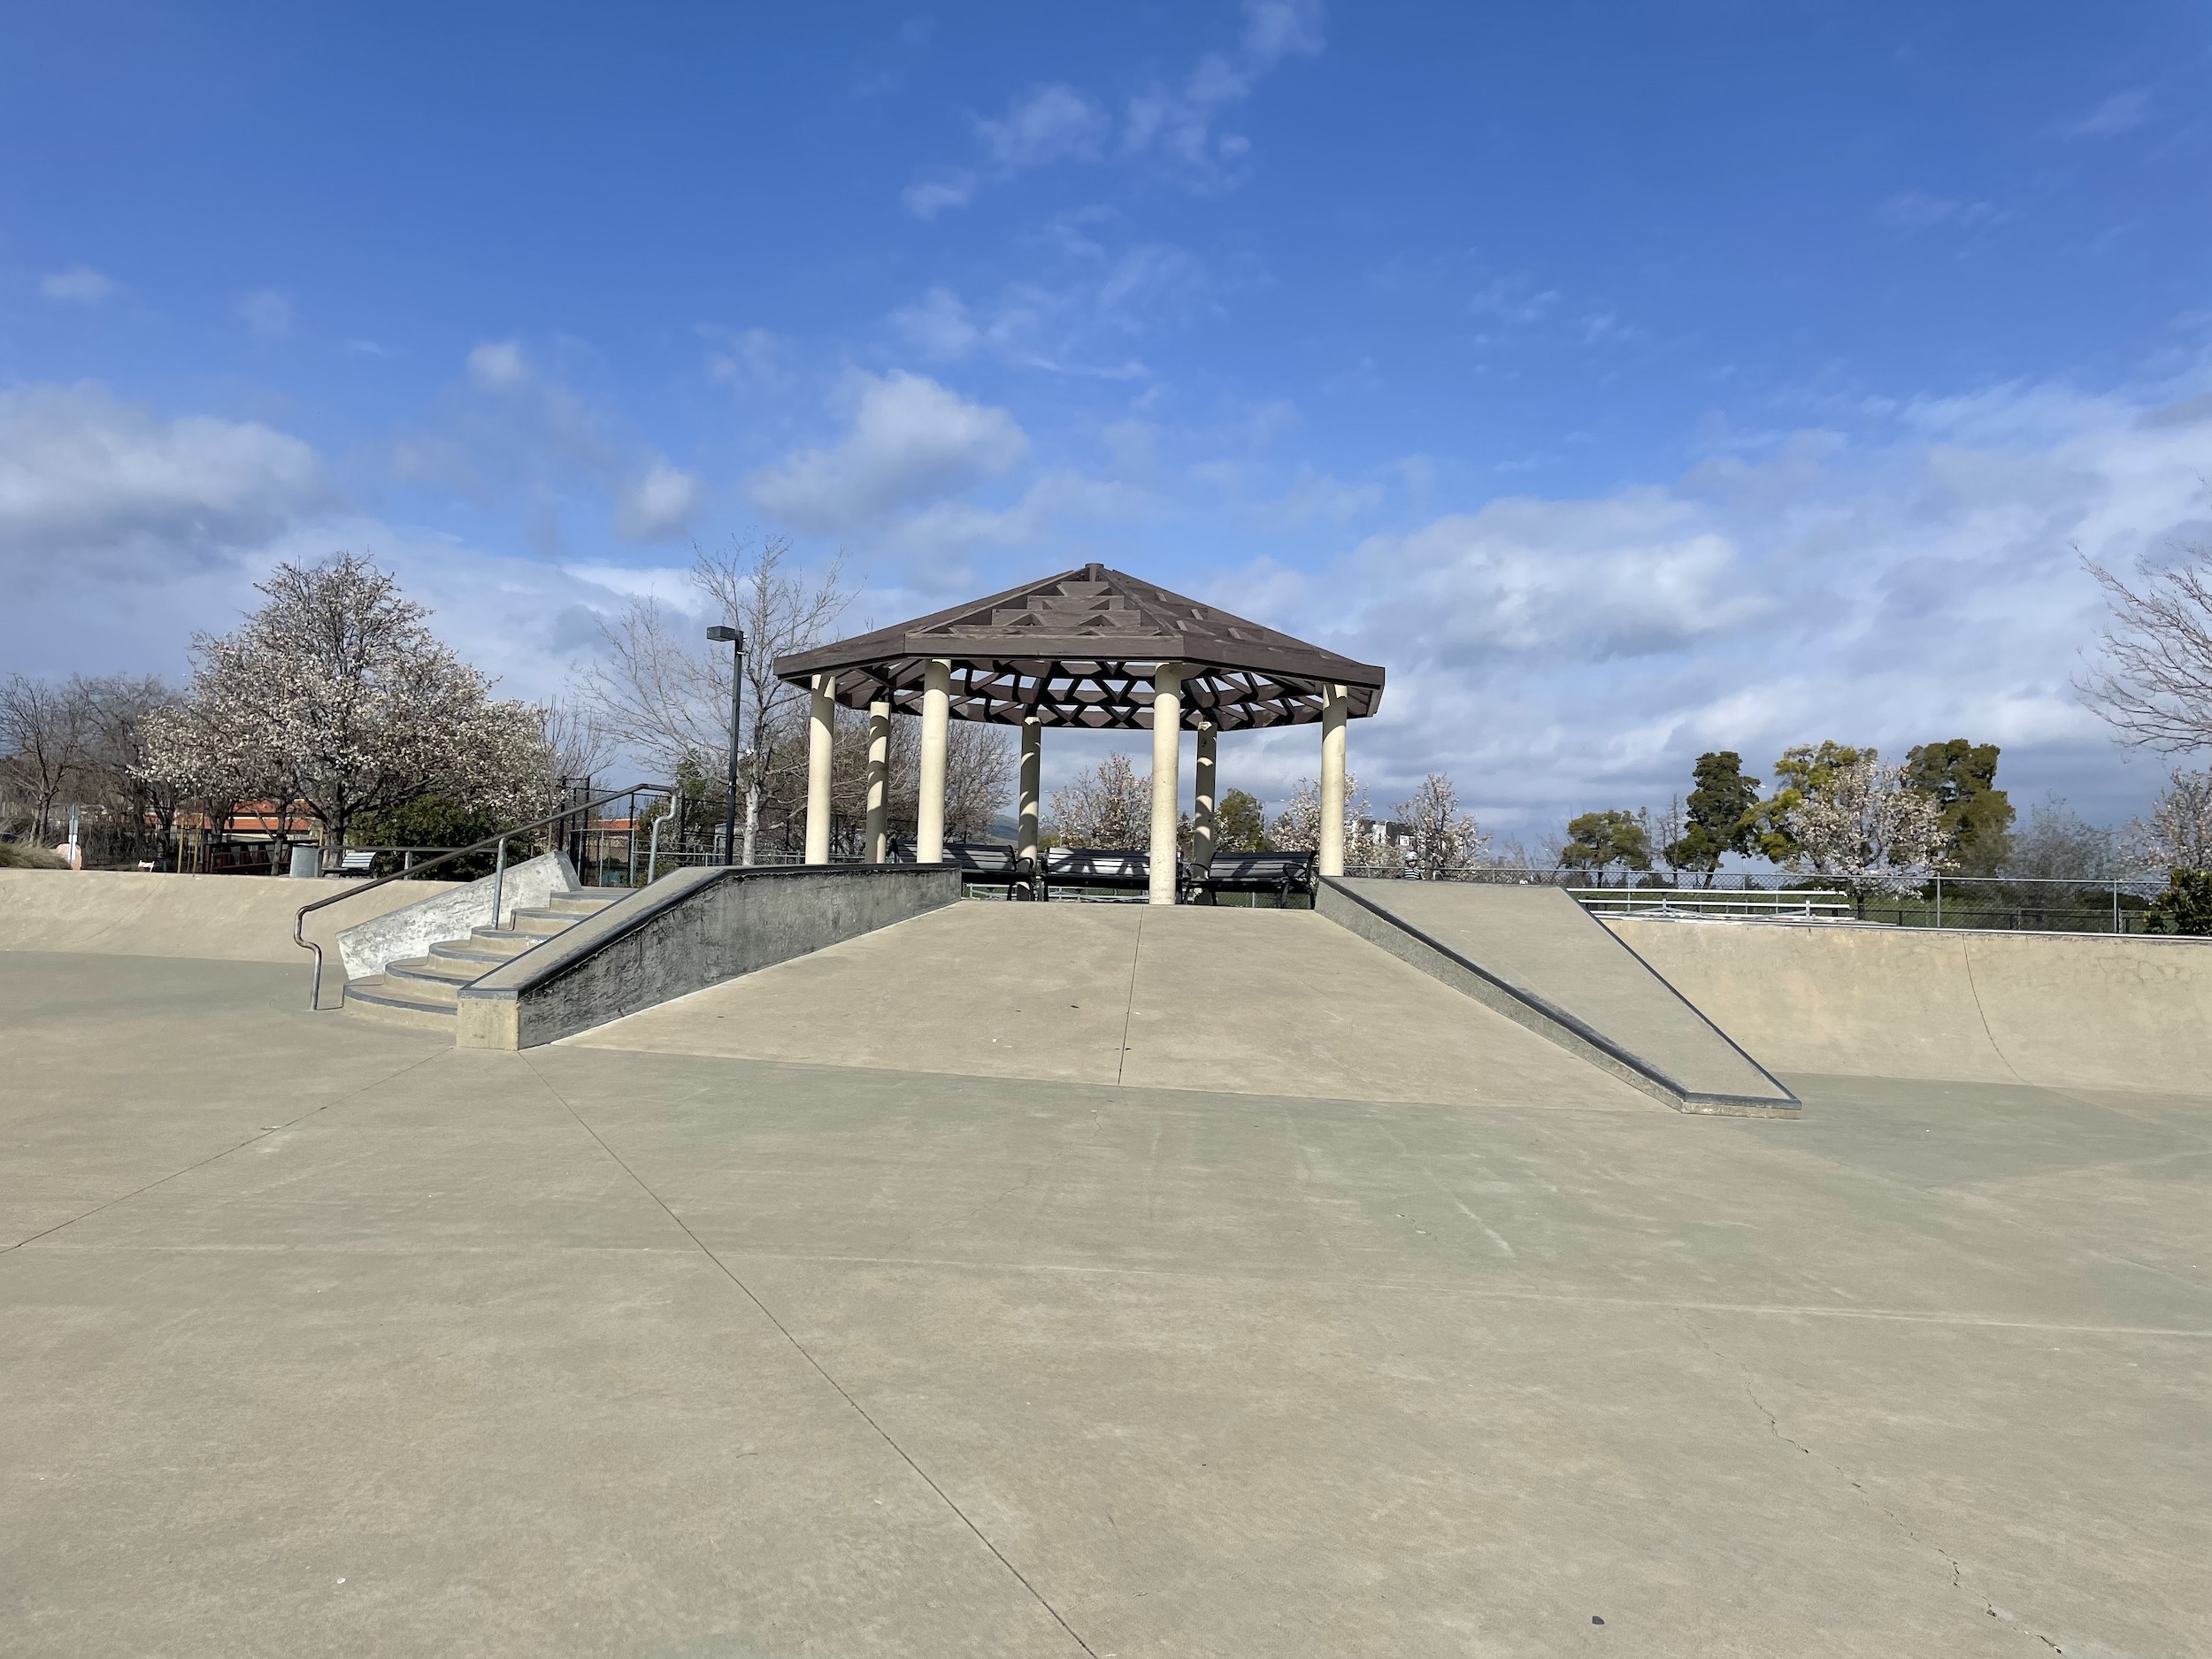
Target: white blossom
336 697
1868 828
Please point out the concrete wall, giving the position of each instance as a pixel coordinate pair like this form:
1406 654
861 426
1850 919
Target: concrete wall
369 945
221 918
688 930
2058 1010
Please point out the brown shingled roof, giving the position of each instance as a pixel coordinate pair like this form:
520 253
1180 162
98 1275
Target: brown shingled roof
1078 649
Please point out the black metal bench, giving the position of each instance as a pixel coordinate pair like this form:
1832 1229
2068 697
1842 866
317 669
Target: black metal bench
1279 873
1114 870
983 862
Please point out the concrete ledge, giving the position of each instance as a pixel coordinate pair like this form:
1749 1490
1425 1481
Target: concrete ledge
373 946
1378 926
686 931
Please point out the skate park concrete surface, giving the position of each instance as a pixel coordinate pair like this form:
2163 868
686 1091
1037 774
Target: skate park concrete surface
324 1337
2067 1010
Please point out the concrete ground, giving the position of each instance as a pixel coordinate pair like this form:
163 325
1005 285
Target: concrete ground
322 1338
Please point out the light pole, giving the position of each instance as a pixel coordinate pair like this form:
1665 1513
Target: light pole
736 641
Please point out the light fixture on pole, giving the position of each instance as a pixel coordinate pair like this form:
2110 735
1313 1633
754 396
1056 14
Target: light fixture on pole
735 640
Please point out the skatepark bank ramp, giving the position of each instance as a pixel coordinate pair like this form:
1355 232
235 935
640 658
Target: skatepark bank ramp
1536 956
2061 1010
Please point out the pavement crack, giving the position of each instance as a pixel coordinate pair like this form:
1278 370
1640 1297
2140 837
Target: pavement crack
1774 1427
807 1355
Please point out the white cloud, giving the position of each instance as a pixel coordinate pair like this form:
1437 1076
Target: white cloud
267 313
2121 112
937 325
1047 510
498 365
1175 125
1915 210
1045 125
910 440
91 484
950 187
1556 655
1315 495
746 357
657 505
79 284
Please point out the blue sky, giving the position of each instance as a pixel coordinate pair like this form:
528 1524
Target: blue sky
1630 380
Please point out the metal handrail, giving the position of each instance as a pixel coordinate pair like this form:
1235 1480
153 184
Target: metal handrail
299 922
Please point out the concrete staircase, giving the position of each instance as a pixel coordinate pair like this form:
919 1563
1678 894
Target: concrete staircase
425 991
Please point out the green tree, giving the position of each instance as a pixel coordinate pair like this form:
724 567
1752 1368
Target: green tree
1597 841
1977 814
1722 814
1241 823
2185 906
436 821
1801 773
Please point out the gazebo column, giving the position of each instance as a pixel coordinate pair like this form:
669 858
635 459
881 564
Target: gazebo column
929 807
878 778
820 749
1202 802
1335 705
1167 752
1032 777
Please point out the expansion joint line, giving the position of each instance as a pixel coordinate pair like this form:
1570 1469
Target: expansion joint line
216 1157
821 1371
1136 954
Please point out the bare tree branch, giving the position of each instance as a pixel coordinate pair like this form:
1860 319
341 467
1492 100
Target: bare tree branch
2154 685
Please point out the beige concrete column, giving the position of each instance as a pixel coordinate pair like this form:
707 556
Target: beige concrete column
878 779
1167 753
929 810
1031 776
1335 705
1202 802
820 747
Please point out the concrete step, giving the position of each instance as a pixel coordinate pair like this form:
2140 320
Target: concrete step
498 944
422 978
457 969
582 904
543 923
399 1002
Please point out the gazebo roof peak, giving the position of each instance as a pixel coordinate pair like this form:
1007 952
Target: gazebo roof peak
1080 648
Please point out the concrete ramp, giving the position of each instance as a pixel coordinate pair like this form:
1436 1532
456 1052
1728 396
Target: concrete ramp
2059 1011
1536 956
1228 1000
215 918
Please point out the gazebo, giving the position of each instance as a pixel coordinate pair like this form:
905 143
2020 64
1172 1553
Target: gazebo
1091 647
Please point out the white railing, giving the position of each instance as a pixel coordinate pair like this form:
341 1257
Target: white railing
1810 904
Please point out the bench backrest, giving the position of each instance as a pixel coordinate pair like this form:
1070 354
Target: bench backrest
1268 866
1074 864
357 861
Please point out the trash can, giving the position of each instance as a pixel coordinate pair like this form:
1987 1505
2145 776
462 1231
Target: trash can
307 863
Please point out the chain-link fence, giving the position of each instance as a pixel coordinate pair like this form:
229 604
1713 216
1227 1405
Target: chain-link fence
2088 904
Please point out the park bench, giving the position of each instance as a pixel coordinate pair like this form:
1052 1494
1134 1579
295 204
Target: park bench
356 863
1112 870
982 863
1279 873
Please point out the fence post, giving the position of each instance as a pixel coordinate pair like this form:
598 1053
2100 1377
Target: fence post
1939 880
2115 905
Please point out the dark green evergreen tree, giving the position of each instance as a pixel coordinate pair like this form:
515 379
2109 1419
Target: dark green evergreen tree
1721 814
1977 814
